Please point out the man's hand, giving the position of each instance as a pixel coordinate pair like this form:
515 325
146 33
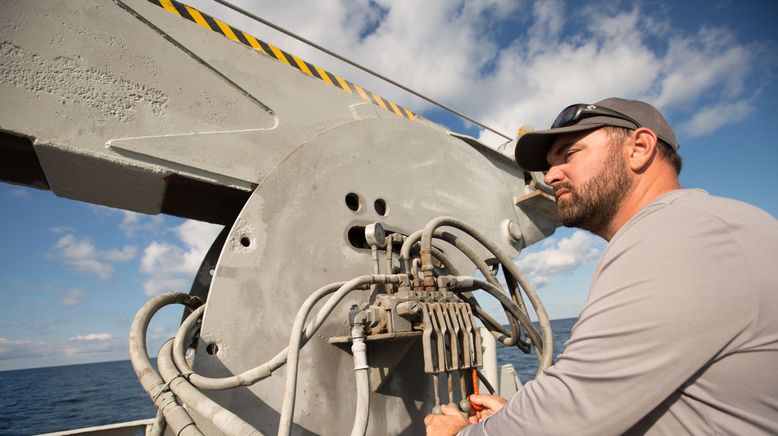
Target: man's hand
447 424
490 404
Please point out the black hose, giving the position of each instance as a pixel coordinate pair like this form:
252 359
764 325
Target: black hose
486 383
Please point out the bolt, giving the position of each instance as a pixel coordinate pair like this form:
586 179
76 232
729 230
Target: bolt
512 230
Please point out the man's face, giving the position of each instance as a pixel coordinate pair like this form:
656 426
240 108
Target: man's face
589 177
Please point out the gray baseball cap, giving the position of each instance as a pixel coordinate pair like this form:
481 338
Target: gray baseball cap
532 147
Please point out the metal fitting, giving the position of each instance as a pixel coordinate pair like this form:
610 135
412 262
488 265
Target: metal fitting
512 231
375 235
408 308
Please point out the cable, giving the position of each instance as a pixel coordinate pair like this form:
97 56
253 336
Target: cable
497 330
251 376
356 65
222 418
515 291
510 307
295 340
427 268
176 416
181 383
159 425
359 350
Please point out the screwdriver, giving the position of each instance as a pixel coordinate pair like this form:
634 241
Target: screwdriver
476 407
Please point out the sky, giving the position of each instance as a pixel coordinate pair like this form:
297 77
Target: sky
72 275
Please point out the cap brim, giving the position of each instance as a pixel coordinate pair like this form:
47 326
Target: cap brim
532 147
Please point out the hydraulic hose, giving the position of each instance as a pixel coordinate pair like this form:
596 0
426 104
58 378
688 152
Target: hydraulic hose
511 308
359 350
251 376
507 262
497 330
513 288
295 340
178 380
159 425
543 346
405 252
175 415
224 420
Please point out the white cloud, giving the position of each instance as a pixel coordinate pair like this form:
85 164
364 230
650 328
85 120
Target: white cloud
6 342
198 235
711 118
17 349
560 256
173 267
92 337
123 255
155 285
616 56
134 223
161 333
710 61
457 52
72 297
90 343
82 255
53 352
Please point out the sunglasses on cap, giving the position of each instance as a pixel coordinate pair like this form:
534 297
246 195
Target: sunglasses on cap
574 113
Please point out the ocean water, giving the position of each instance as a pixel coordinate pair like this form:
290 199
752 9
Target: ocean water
44 400
526 365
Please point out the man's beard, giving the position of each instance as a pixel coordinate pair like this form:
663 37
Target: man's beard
593 205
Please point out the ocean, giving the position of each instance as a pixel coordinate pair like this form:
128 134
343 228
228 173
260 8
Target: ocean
43 400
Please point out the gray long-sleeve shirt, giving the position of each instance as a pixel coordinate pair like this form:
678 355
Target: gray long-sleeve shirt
679 333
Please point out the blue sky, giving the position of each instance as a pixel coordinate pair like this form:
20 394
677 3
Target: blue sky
72 275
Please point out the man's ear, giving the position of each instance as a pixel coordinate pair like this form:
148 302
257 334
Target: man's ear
643 149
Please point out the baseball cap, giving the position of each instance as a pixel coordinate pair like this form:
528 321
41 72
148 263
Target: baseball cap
532 147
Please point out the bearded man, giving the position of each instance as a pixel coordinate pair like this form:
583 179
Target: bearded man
679 334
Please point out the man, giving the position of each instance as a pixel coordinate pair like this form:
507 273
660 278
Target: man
679 334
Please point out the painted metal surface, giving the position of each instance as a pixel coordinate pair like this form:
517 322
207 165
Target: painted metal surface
215 25
294 230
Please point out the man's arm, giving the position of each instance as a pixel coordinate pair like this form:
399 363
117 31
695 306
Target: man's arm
653 320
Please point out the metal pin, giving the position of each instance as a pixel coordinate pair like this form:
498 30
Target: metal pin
464 403
436 388
450 385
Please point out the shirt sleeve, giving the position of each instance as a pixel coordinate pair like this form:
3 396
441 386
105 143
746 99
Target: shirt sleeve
661 307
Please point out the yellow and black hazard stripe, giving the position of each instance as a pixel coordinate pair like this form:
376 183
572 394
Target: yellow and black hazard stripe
274 52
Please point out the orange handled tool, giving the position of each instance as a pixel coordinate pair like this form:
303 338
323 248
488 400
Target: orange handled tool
476 407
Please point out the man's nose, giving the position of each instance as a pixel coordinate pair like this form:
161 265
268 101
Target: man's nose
553 175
